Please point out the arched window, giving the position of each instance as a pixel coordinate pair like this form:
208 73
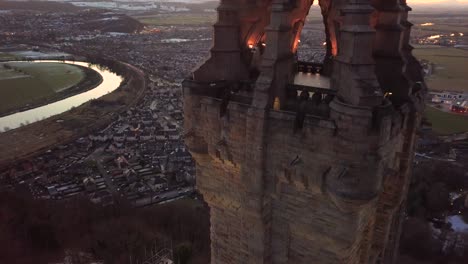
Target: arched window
312 41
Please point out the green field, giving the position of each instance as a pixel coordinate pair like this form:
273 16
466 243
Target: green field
445 123
7 56
23 83
442 23
177 19
450 72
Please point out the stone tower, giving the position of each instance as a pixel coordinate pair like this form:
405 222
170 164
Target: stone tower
305 173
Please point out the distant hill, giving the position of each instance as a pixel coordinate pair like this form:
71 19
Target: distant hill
123 24
208 5
38 6
446 3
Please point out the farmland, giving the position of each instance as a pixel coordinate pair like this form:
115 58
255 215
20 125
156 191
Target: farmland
25 83
450 72
178 19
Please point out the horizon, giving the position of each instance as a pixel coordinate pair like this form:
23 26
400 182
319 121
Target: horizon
427 3
438 2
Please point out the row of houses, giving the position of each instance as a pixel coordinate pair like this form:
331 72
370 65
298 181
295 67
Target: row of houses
141 154
458 102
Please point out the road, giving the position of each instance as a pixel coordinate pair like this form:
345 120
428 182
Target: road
164 197
94 156
107 178
447 108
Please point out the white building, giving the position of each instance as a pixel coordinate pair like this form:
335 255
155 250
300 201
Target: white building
448 97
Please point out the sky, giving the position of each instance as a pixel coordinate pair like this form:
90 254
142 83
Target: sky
437 1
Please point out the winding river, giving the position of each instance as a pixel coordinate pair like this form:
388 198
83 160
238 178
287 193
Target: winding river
110 82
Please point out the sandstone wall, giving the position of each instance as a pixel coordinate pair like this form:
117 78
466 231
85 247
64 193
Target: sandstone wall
332 191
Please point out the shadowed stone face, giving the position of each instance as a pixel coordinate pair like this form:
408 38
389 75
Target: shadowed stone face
296 173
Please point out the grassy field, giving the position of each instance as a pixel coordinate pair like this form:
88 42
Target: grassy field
440 21
40 136
177 19
7 56
442 28
23 83
450 71
445 123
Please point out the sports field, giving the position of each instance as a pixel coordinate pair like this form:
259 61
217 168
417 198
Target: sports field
23 83
446 123
450 71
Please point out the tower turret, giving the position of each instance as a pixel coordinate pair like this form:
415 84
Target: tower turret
301 173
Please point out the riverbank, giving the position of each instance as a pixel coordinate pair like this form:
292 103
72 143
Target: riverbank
91 80
29 140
